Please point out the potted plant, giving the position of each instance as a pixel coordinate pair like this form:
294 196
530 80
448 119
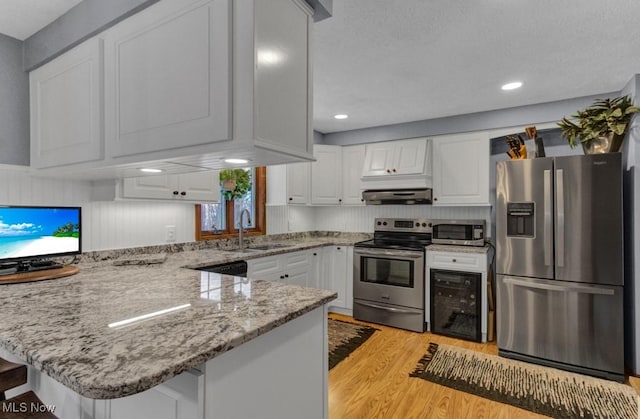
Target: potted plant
601 127
235 183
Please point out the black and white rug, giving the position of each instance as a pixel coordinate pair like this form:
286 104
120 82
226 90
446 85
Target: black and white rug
532 387
344 338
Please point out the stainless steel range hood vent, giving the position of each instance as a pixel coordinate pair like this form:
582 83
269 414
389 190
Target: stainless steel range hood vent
398 196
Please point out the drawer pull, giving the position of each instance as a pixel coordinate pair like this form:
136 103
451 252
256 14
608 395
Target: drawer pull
453 260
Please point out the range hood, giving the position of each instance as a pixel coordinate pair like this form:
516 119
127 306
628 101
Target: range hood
398 196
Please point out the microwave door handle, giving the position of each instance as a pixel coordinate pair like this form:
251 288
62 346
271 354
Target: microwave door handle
547 218
560 218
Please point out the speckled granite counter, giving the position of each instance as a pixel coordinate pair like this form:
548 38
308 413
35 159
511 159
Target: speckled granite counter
458 249
64 327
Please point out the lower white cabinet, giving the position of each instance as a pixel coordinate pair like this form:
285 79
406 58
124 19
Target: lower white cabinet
458 262
329 267
198 187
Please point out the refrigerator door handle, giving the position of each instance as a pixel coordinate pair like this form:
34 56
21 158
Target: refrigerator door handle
547 218
561 288
560 218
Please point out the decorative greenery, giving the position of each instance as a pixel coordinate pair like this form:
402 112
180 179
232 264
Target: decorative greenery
598 120
67 230
243 182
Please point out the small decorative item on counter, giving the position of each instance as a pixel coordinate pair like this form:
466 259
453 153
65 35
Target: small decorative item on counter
601 127
532 134
518 150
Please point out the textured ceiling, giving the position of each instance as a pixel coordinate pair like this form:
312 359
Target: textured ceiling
22 18
392 61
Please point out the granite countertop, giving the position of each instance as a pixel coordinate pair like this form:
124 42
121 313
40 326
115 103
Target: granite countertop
65 327
458 249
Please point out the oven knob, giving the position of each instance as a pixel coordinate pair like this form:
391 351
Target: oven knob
430 224
417 224
379 223
384 223
424 224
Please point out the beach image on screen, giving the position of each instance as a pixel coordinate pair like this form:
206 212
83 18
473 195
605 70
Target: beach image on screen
32 232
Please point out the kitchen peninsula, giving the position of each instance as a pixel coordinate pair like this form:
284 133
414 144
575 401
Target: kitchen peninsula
163 341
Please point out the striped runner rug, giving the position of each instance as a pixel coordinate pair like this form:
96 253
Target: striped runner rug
542 390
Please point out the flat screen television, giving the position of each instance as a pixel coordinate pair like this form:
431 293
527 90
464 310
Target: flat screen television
32 233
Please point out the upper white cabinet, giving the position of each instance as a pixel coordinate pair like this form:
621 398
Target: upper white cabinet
199 187
461 169
298 183
326 175
406 162
168 78
66 108
191 82
352 164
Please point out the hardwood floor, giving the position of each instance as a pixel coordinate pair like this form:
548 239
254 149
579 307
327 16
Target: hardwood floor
374 382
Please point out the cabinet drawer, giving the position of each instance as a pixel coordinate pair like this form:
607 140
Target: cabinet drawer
264 268
449 260
297 260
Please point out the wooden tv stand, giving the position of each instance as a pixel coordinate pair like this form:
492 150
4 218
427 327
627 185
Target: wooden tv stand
43 275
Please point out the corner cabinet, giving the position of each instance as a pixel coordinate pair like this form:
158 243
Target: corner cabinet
66 108
182 84
461 169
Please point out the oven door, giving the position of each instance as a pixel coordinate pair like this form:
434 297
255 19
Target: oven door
389 276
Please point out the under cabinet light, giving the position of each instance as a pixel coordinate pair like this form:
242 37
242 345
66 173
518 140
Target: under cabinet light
151 170
512 85
341 116
236 161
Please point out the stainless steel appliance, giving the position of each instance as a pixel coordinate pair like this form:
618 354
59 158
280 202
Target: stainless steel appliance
398 196
459 232
560 262
388 274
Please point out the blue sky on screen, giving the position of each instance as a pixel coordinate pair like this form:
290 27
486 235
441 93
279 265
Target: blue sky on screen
15 222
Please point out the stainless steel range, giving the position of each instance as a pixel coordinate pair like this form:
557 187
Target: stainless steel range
388 274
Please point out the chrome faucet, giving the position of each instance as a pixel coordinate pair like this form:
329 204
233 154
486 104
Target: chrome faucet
240 230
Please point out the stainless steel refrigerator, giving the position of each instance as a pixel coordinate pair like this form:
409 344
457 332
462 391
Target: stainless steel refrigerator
559 262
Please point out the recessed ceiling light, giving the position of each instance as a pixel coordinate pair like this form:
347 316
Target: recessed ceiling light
512 85
341 116
151 170
236 161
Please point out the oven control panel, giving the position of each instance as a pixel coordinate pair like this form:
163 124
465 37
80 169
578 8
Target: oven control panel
414 225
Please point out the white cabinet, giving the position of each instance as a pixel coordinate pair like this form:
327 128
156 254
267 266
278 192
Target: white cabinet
294 268
298 183
187 84
201 186
337 275
461 169
326 175
168 77
66 108
393 164
352 165
458 262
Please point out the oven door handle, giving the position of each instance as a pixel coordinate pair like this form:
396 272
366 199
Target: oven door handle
394 253
393 310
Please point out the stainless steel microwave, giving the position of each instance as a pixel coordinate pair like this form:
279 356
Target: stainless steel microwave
459 232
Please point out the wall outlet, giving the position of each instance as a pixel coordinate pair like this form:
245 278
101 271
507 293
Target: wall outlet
170 233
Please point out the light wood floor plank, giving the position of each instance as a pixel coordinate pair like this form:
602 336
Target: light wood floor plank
373 382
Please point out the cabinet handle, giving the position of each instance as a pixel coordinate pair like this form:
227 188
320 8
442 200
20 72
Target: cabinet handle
388 171
183 193
290 199
286 275
338 248
315 254
394 170
176 192
340 200
453 260
281 276
361 199
435 199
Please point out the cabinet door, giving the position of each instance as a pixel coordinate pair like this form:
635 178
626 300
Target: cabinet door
316 268
461 169
200 186
153 187
299 278
326 175
66 108
409 157
268 268
379 159
348 272
352 165
298 183
167 77
334 275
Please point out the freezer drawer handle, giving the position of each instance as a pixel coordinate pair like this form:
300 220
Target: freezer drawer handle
394 310
551 287
547 218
